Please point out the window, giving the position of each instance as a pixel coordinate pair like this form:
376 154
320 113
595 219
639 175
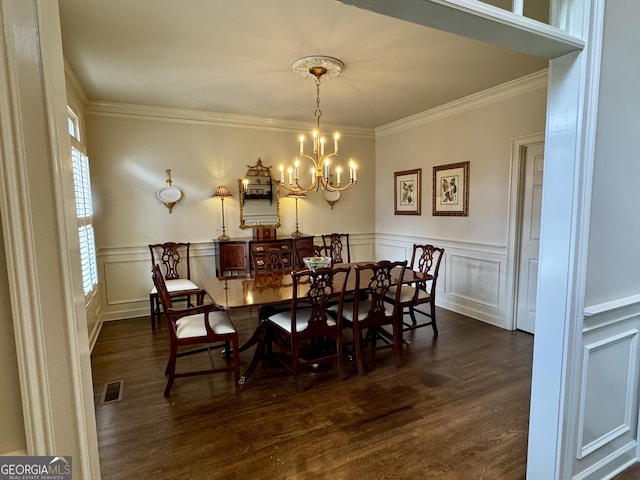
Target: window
84 208
73 124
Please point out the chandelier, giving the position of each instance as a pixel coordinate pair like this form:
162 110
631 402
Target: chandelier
320 173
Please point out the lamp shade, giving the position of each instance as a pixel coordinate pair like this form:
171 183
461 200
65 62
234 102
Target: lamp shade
222 191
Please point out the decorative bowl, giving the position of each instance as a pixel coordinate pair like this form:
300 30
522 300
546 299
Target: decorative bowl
316 262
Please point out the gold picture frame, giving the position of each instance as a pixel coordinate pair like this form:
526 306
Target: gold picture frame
407 192
451 190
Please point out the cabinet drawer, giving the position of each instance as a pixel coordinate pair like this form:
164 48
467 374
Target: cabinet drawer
259 247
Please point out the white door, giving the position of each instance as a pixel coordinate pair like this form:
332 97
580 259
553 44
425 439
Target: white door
530 238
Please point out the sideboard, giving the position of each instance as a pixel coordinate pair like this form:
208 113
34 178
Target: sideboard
233 257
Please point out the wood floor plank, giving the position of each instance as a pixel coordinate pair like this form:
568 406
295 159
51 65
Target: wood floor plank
457 408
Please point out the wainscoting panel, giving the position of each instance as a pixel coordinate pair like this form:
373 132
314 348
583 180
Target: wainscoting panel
472 277
389 250
607 428
127 281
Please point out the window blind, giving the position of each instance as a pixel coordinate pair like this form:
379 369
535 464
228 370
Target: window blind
84 212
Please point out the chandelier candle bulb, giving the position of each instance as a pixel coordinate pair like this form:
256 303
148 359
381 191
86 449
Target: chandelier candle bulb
322 146
338 170
336 136
301 144
281 173
290 170
296 164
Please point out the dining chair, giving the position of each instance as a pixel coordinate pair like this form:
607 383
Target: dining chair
426 260
371 313
308 251
336 246
206 326
175 259
305 334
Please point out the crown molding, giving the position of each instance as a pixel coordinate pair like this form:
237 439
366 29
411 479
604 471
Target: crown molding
74 84
534 81
167 114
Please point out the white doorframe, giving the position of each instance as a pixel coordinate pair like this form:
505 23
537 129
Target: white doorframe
516 183
41 239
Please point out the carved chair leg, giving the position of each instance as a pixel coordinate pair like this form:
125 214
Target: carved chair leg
339 353
397 343
295 366
434 325
413 315
171 370
236 361
357 340
152 311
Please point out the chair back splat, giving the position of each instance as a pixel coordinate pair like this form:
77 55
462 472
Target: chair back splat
204 326
309 251
175 259
306 335
337 247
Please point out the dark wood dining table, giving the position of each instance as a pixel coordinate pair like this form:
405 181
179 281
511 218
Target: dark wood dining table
273 288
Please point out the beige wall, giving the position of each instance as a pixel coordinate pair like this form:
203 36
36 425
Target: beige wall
12 438
612 273
480 135
477 275
128 160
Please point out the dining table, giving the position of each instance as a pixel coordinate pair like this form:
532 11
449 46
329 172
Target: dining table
274 289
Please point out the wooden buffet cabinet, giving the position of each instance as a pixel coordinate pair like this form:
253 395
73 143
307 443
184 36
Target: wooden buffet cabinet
233 257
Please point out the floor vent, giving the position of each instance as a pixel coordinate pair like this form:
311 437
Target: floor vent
112 392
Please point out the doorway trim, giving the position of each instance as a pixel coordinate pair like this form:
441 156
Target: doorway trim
516 194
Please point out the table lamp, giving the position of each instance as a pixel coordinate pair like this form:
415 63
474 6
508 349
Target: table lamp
222 192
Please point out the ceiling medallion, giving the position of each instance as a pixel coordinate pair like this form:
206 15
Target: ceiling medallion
313 66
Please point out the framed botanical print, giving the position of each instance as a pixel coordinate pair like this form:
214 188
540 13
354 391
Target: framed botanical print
451 189
407 192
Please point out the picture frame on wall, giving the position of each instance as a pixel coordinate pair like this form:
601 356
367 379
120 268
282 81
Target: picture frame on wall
451 190
407 192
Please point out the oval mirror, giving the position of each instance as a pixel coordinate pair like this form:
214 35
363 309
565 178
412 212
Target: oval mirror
259 199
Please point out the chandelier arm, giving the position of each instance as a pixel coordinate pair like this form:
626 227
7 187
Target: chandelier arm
306 155
349 185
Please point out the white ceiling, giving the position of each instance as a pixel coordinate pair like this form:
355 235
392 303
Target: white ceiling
234 57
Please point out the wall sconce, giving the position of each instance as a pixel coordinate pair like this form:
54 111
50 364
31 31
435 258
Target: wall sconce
331 196
222 192
169 195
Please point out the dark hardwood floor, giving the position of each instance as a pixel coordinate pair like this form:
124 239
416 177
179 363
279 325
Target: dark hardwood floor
457 409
